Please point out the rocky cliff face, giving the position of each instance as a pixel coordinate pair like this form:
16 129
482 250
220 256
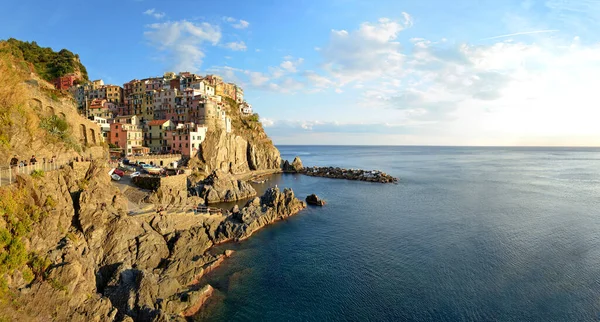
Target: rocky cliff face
105 265
246 148
233 153
222 187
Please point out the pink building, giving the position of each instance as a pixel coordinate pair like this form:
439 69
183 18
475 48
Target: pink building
186 138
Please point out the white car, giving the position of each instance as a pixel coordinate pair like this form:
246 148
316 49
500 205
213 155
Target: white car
115 177
135 174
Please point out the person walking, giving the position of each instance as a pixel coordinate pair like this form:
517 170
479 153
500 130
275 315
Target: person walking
33 160
14 161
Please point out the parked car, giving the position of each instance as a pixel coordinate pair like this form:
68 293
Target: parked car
146 166
135 174
119 172
115 177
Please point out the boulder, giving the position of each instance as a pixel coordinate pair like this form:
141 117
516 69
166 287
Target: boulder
297 164
223 187
315 200
295 167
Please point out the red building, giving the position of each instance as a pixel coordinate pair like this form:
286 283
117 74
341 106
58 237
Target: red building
65 82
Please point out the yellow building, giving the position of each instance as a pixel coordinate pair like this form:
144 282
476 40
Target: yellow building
114 94
154 136
229 90
148 105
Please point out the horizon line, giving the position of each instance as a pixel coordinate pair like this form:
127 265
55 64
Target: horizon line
447 146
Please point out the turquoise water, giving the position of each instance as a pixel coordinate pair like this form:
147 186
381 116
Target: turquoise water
469 234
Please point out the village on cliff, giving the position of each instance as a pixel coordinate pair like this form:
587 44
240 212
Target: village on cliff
168 114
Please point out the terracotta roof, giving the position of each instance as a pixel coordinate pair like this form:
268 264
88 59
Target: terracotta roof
157 122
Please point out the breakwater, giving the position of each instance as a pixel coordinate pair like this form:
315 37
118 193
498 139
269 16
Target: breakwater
349 174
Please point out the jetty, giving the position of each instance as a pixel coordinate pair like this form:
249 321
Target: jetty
349 174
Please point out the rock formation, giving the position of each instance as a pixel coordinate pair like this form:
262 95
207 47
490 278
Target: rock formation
350 174
337 173
222 187
295 167
234 154
106 265
259 212
315 200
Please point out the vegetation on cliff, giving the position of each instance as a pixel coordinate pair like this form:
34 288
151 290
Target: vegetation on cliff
18 213
34 117
46 62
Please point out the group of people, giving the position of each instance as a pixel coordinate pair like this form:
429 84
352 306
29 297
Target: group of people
15 162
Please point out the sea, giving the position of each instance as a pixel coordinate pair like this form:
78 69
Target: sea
468 234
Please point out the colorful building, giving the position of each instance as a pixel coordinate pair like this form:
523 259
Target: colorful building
104 127
155 135
65 82
126 136
186 138
239 94
99 108
114 94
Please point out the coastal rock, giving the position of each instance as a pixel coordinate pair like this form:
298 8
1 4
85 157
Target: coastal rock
295 167
237 152
272 206
315 200
223 187
350 174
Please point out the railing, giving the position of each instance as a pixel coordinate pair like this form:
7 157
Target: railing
196 210
8 174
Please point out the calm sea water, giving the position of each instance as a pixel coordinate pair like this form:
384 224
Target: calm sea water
469 234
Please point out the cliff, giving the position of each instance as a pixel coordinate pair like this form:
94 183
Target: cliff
246 148
69 251
35 119
84 254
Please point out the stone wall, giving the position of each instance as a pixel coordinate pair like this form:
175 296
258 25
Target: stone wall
158 160
153 182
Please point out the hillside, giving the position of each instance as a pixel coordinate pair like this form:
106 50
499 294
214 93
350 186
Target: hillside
47 63
34 117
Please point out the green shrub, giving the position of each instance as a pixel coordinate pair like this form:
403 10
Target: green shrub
83 184
47 63
36 174
50 202
19 214
56 126
39 265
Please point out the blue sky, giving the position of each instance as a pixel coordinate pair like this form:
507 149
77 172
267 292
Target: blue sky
355 71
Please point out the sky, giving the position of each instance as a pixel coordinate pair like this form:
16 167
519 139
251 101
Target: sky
356 72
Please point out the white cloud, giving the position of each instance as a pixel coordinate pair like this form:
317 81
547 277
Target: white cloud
257 78
291 65
369 52
242 24
237 23
182 42
152 12
236 46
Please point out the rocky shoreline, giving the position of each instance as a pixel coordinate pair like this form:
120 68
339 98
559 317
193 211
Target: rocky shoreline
338 173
